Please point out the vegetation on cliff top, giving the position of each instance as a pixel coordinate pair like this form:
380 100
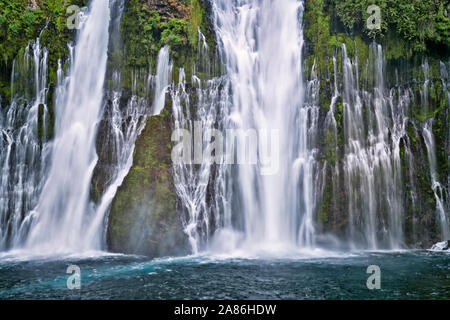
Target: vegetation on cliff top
148 25
408 27
21 23
419 22
145 29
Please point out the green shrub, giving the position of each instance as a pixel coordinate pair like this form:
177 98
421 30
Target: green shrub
416 21
174 33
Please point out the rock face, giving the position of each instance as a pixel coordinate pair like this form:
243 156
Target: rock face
143 218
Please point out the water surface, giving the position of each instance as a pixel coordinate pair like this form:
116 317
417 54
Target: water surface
404 275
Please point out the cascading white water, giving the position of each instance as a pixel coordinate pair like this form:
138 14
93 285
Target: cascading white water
63 213
126 124
439 191
164 70
374 125
63 210
445 76
261 43
203 52
191 180
23 144
125 127
201 184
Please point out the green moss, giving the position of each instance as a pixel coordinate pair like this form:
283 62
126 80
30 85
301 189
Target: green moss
140 32
442 26
423 116
19 25
411 133
404 34
326 205
165 113
440 130
436 101
330 142
196 20
318 33
417 22
143 217
340 113
362 50
146 28
327 44
174 34
395 47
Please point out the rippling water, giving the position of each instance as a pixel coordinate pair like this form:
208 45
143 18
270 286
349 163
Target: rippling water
404 275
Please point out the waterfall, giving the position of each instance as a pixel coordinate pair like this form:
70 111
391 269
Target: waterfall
23 143
261 44
192 179
379 165
360 162
123 124
445 76
55 202
374 126
123 127
366 132
63 213
439 190
163 71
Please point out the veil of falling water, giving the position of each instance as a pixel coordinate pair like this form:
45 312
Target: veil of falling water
192 179
63 213
261 43
124 124
441 193
372 156
200 181
23 126
53 201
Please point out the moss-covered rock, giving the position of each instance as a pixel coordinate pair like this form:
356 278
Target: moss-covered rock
143 218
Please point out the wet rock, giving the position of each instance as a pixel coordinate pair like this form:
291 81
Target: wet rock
144 219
